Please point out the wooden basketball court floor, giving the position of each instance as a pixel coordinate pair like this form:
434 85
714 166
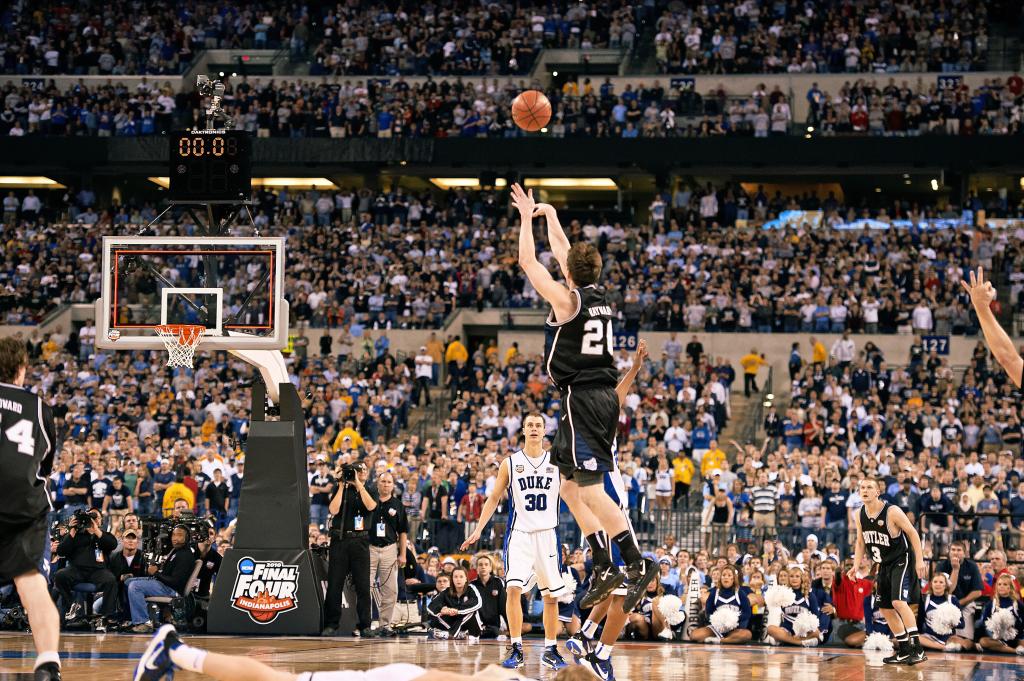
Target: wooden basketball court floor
112 657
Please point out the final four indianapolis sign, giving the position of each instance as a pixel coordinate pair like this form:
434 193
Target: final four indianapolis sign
265 589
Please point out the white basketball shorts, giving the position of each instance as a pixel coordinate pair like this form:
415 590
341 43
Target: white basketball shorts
534 558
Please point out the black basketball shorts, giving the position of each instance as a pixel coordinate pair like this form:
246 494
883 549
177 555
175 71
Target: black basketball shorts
586 434
897 581
23 549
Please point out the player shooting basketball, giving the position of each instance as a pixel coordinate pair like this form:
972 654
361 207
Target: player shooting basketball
580 361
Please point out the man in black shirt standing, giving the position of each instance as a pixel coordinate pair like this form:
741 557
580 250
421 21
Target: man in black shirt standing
77 491
87 549
170 580
389 533
350 548
217 496
435 504
27 440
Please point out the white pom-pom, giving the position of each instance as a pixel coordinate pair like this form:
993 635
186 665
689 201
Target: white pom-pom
671 608
570 587
944 618
779 596
805 623
878 641
1000 625
724 620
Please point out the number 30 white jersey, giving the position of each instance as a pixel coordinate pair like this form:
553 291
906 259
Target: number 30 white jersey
533 493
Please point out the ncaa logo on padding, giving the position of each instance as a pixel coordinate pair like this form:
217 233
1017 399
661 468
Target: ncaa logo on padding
520 469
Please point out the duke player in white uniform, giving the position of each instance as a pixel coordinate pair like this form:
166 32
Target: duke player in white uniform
532 550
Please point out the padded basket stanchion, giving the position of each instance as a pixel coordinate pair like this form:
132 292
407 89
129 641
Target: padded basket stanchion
181 341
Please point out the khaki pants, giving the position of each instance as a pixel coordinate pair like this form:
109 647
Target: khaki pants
384 579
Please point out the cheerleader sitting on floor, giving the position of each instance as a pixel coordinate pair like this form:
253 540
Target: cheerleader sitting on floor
940 615
732 625
646 620
801 620
1001 619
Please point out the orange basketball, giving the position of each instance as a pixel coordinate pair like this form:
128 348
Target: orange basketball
531 110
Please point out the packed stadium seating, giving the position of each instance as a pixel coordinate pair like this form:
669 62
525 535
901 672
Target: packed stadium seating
444 108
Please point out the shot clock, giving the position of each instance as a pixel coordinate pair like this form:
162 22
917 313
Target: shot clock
211 165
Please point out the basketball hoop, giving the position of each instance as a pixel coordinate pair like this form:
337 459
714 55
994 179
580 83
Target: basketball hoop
181 341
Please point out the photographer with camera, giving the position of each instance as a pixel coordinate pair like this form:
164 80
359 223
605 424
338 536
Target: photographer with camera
350 547
87 549
169 579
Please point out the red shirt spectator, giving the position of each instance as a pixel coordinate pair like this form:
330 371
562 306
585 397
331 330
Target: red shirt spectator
848 597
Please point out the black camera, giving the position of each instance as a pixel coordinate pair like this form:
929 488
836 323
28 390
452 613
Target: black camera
81 519
348 473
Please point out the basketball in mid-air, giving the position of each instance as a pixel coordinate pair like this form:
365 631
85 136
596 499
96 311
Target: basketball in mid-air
531 110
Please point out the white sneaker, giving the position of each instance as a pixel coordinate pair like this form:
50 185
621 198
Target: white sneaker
666 634
472 639
1020 650
713 640
953 648
810 643
770 640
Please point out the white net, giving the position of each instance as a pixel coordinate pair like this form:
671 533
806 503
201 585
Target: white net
181 341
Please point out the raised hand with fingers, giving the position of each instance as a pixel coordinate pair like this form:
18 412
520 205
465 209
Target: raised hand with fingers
982 292
523 200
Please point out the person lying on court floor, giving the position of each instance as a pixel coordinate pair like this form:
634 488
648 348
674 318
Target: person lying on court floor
167 653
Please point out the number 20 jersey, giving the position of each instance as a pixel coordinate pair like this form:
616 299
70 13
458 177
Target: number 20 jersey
579 351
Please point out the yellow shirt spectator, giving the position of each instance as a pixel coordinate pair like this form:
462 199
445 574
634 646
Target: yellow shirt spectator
456 351
357 439
436 350
511 354
683 469
818 353
752 362
176 491
714 458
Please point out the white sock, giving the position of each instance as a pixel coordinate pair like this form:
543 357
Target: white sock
589 628
603 651
517 639
188 658
548 642
46 658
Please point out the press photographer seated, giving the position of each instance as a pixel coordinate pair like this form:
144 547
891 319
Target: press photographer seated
169 579
87 550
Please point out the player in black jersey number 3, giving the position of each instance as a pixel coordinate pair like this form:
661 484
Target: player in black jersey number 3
888 537
26 457
580 361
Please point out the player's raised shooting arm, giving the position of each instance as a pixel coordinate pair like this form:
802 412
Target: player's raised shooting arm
557 294
556 236
999 343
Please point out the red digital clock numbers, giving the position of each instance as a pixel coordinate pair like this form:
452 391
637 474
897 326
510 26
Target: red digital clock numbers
201 146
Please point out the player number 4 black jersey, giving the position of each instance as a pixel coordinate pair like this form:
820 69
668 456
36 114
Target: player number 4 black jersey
26 454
